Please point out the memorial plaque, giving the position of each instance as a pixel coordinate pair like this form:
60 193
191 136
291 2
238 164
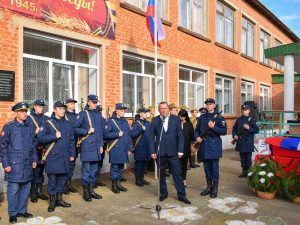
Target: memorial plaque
7 85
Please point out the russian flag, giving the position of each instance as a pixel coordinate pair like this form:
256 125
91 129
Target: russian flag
285 142
150 20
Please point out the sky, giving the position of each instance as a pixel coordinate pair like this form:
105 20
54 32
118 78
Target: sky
288 11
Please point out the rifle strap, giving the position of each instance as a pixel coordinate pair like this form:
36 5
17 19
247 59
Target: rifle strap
91 126
139 137
51 145
116 140
34 121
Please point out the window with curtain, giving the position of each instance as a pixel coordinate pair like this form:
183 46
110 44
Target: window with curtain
191 87
193 15
247 91
247 38
265 39
265 98
225 25
224 94
139 81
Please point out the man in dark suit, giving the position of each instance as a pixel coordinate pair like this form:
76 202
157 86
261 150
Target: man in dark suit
167 144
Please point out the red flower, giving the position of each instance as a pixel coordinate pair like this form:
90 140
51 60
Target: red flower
292 189
278 175
299 181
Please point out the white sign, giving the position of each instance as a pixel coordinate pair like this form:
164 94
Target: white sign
263 148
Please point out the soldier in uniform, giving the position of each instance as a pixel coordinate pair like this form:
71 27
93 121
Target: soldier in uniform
193 119
151 110
18 156
243 132
58 136
100 163
141 134
117 132
210 149
90 130
71 116
38 119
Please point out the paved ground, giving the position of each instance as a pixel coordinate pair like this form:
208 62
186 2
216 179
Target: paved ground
236 204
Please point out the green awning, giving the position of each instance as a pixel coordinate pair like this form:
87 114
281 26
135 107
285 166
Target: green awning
279 78
277 53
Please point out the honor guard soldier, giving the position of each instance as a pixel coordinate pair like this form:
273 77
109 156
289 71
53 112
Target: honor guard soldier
141 134
117 131
100 163
167 146
38 119
243 133
58 136
18 156
71 116
210 149
90 131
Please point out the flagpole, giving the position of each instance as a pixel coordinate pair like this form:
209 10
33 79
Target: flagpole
155 65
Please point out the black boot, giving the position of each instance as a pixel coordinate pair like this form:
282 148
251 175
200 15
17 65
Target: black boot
138 181
114 187
99 183
66 189
243 174
52 203
33 195
61 202
70 187
93 194
86 194
144 181
39 192
120 187
208 189
214 192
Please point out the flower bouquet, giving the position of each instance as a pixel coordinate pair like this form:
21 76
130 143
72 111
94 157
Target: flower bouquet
264 177
291 185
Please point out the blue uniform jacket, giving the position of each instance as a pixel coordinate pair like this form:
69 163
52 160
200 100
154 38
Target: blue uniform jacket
211 146
172 141
72 117
18 150
58 159
142 149
246 141
90 147
41 120
119 153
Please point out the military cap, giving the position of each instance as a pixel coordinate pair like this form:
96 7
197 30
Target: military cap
39 102
142 109
59 104
209 100
70 100
99 108
20 106
245 107
120 106
203 110
93 98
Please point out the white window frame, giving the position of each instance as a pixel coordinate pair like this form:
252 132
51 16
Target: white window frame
224 18
63 61
248 22
186 83
142 74
222 88
265 41
262 105
247 83
190 17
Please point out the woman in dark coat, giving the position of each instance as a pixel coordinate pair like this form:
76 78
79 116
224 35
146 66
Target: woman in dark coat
189 138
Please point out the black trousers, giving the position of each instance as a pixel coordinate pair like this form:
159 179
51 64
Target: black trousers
184 162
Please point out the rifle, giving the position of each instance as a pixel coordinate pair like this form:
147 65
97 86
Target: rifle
241 132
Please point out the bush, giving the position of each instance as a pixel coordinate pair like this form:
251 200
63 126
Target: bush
291 184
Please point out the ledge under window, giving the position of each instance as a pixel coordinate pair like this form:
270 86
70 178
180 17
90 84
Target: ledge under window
249 57
199 36
137 10
226 47
278 70
261 63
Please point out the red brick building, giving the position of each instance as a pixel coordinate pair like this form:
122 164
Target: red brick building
213 48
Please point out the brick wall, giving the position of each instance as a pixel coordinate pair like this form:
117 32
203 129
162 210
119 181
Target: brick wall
278 96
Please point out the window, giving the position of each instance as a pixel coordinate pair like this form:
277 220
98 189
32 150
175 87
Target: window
277 65
247 38
264 44
193 15
56 69
191 87
265 98
225 19
162 6
246 91
224 95
139 81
